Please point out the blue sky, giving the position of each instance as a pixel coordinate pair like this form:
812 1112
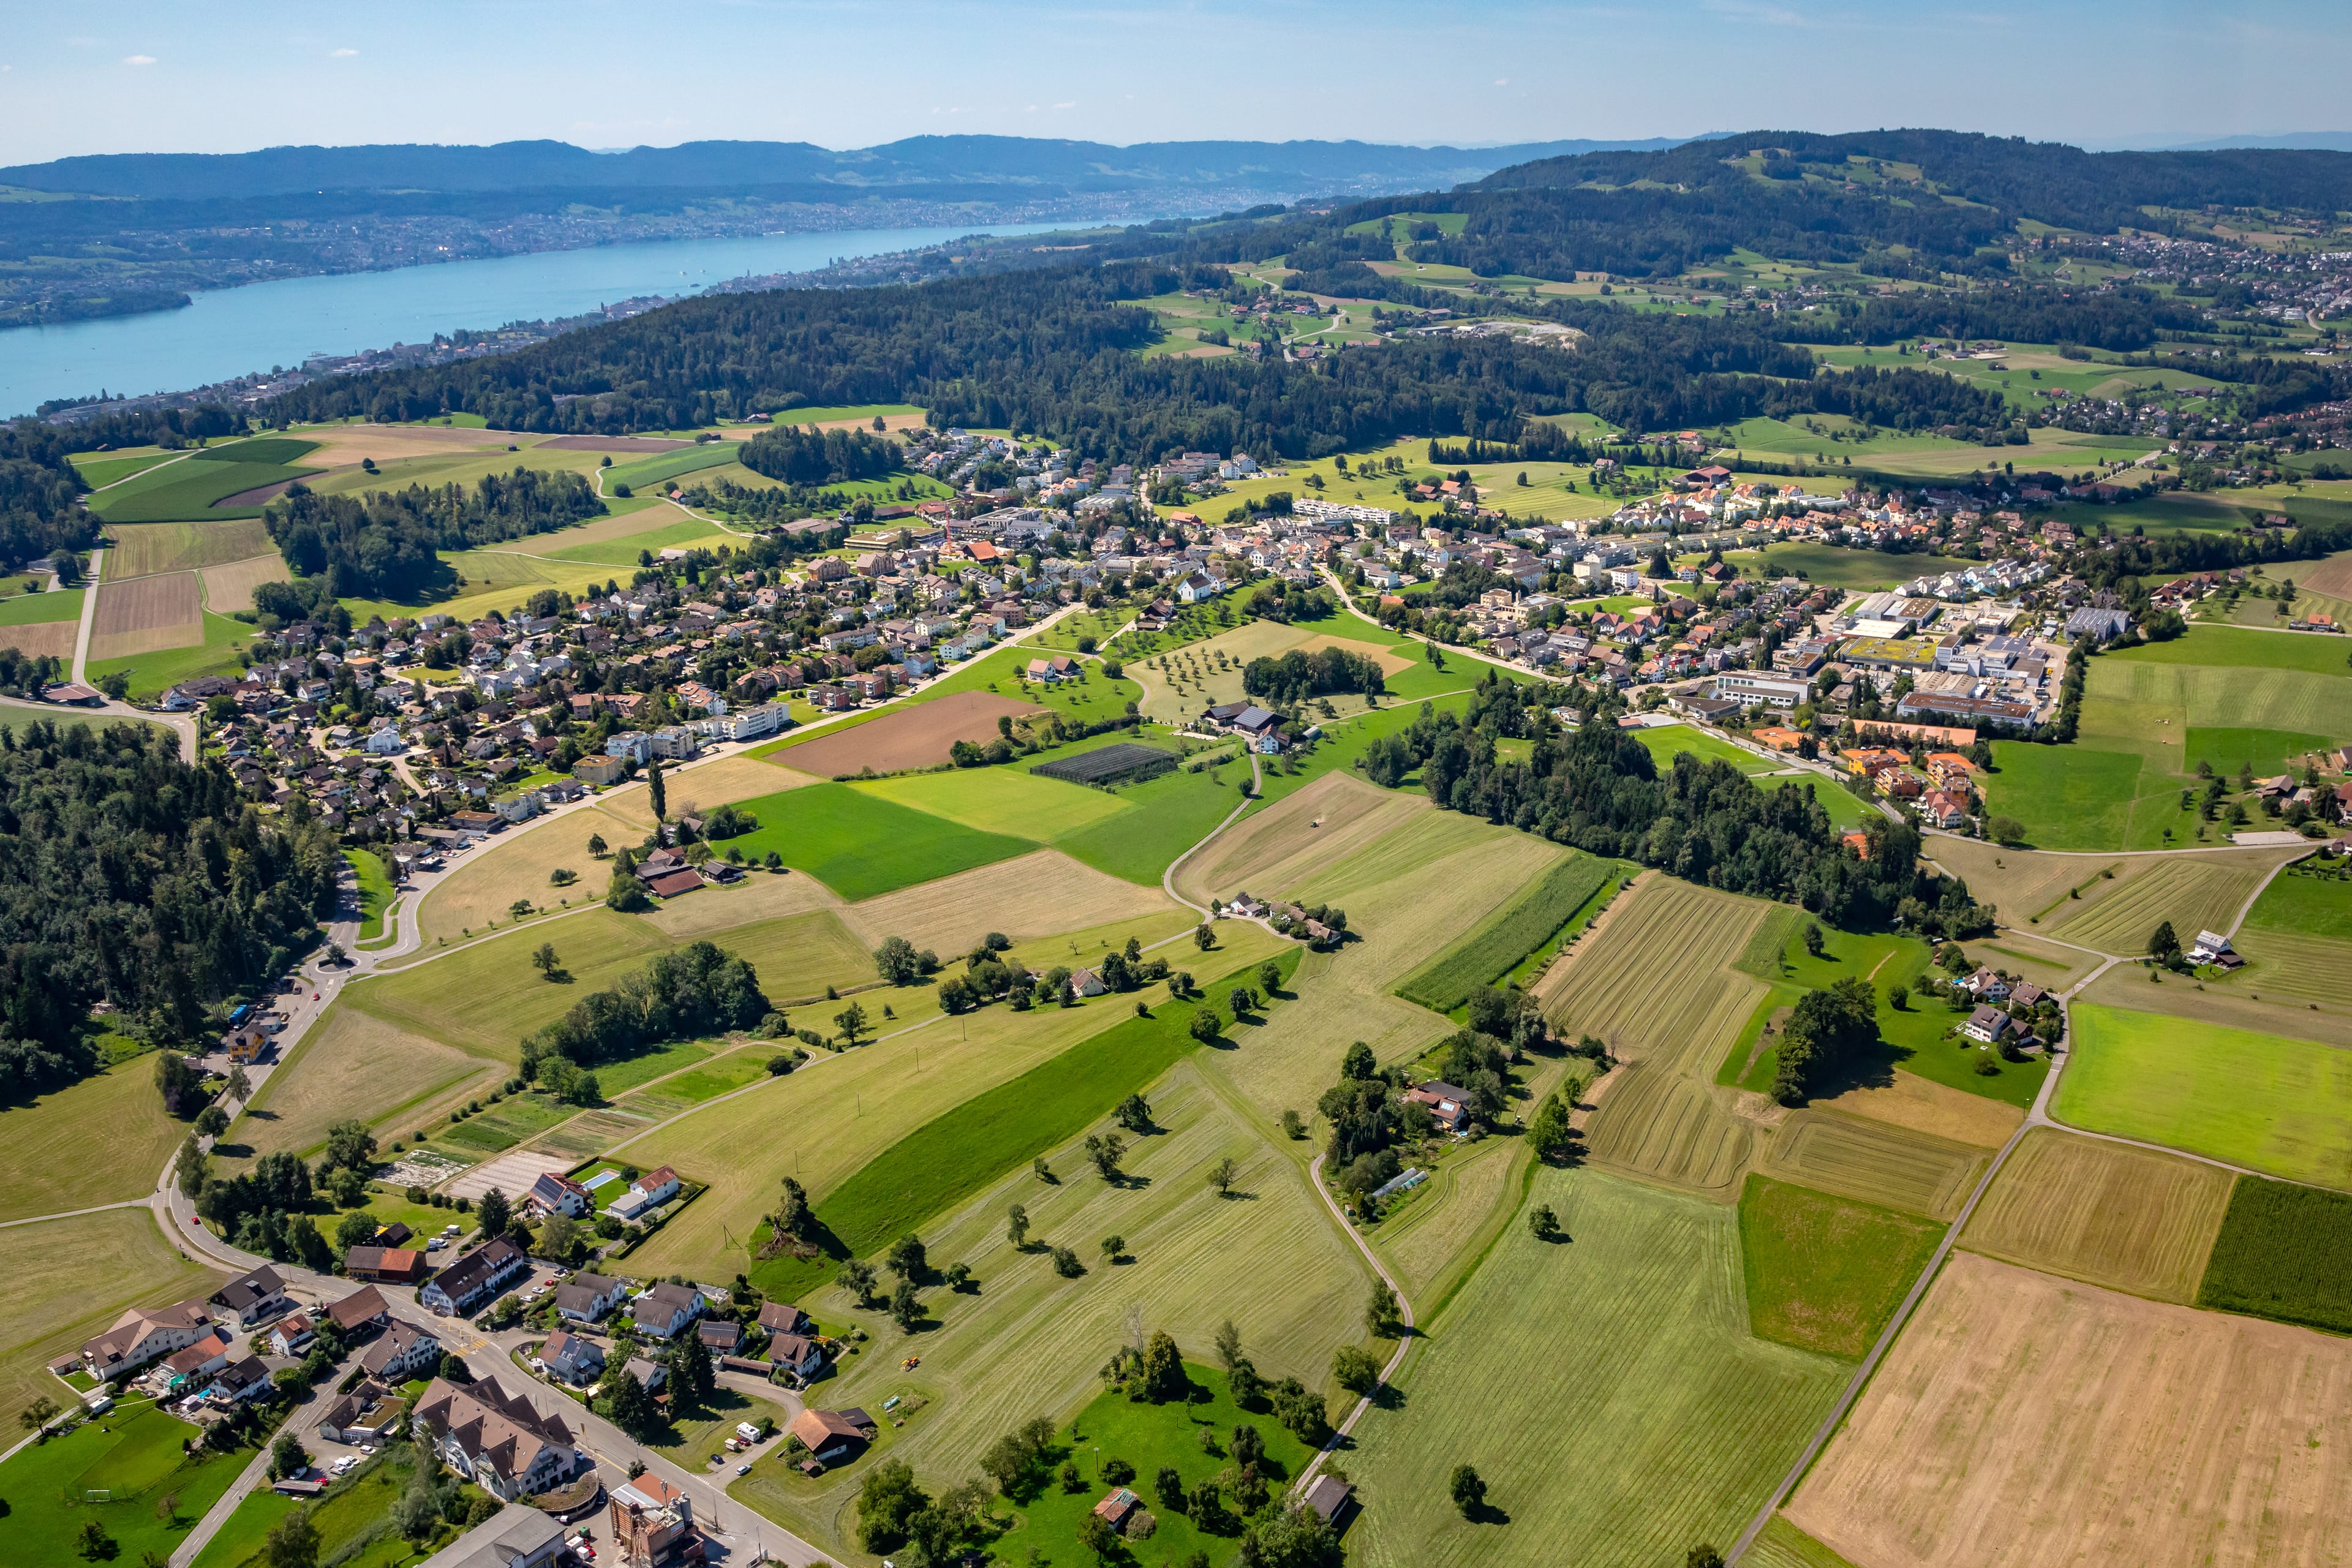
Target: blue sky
143 77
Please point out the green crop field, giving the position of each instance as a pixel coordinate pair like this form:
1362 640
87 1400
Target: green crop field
189 491
859 844
1659 1423
134 1454
376 892
1825 1273
98 470
1861 569
41 609
1007 800
1493 951
669 465
2284 1252
1171 813
2265 1101
994 1131
1783 1545
2297 939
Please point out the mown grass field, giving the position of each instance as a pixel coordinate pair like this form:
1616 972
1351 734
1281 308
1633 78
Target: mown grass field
468 900
137 550
2193 894
2130 1220
1663 1423
150 673
1664 742
2283 1252
1863 571
2297 939
861 846
96 1142
1825 1273
1029 1344
2265 1101
1003 800
1783 1545
2009 1384
42 609
1874 1162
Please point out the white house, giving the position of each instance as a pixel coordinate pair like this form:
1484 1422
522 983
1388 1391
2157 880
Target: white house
664 1310
500 1441
384 743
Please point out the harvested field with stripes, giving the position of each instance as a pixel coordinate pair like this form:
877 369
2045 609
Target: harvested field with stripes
517 867
1874 1161
2029 1421
143 549
229 588
1273 853
1658 1421
2130 1220
2195 893
1656 982
1660 1124
1024 897
55 639
146 614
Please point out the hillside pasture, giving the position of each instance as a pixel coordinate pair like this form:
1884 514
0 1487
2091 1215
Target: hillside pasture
1486 955
146 614
199 489
2265 1101
2107 1214
1825 1273
2009 1384
353 1065
1672 1419
1874 1161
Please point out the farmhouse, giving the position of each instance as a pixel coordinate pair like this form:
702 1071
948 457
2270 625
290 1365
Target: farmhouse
361 1312
1449 1105
830 1435
2212 947
1115 1509
389 1265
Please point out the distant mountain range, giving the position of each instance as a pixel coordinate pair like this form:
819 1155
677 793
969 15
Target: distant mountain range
1280 170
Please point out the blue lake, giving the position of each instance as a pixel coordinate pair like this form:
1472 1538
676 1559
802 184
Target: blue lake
231 331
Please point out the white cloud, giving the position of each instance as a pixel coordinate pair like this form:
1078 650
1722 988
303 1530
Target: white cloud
1502 81
1031 110
1068 103
139 59
344 55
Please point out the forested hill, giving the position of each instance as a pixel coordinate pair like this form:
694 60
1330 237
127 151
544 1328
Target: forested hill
1949 197
1010 162
1050 351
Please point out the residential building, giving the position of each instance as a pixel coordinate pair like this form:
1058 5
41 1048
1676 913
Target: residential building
587 1298
239 1382
474 1280
361 1312
518 1536
795 1355
573 1358
292 1334
253 1298
1987 1023
552 1194
500 1441
652 1523
366 1415
388 1265
401 1352
664 1310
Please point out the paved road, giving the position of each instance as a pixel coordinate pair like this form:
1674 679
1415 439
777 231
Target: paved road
1404 1341
89 613
301 1425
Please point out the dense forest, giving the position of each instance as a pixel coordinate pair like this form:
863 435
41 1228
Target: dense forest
382 545
1048 352
1599 789
129 877
40 507
812 457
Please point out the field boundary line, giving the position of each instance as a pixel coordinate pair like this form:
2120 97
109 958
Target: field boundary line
2260 887
142 474
73 1214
